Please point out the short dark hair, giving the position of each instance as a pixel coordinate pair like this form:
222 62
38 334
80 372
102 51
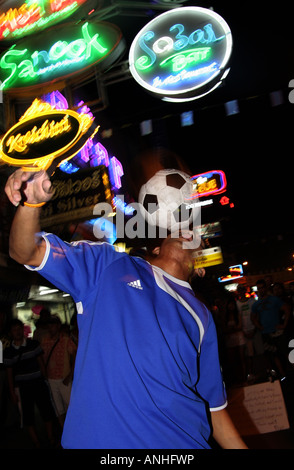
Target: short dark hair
54 319
16 322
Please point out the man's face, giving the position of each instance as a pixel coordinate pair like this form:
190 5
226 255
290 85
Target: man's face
17 332
181 248
182 243
262 290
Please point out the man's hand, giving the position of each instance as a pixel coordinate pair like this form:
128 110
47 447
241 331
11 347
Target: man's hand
34 187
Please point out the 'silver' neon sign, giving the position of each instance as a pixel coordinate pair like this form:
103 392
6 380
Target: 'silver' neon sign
181 54
45 136
32 16
21 66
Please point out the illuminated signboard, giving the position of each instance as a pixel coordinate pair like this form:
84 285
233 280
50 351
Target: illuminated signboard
19 19
44 136
210 230
208 257
235 273
94 153
209 183
58 53
76 195
182 54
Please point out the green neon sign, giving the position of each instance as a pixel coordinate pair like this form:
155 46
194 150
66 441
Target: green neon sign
182 54
89 44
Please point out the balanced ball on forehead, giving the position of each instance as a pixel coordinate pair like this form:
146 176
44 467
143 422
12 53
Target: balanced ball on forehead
164 200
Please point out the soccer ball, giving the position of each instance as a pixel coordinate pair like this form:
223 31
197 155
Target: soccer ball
163 200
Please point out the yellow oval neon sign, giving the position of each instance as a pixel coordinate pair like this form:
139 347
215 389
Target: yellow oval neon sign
45 136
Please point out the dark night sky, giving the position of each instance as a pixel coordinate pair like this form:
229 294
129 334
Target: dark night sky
254 147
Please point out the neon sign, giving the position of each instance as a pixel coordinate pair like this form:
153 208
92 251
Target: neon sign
94 153
236 272
206 184
75 196
76 49
182 54
21 19
44 136
208 257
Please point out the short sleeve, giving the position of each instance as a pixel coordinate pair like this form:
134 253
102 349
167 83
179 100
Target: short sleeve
210 385
74 268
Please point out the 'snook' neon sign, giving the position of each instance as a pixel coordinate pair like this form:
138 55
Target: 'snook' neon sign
89 44
182 54
18 19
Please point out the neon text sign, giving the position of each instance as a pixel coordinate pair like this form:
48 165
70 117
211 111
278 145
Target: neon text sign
45 135
89 44
94 153
21 19
209 183
235 273
182 54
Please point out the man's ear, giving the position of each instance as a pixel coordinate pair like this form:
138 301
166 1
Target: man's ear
156 250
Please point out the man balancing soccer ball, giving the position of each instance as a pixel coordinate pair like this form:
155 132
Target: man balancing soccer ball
147 373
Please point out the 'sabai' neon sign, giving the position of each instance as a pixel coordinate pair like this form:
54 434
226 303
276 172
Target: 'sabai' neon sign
18 19
88 45
182 54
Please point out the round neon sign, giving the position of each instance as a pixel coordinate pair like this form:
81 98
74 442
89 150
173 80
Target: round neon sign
182 54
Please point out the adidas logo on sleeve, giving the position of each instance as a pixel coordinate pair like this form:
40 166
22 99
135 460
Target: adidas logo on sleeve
135 284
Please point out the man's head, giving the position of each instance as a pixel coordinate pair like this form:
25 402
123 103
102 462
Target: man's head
17 330
179 251
54 324
261 288
241 289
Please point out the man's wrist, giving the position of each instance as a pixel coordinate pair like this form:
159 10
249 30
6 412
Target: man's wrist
40 204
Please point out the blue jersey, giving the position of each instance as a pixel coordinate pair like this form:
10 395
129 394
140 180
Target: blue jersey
147 368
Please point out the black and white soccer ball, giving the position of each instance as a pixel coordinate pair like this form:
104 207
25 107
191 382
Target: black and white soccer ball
165 199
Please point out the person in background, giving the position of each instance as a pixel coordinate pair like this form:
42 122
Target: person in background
287 333
26 379
251 334
42 328
59 356
235 344
5 340
270 315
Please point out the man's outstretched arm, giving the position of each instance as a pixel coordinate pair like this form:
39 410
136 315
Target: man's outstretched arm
24 245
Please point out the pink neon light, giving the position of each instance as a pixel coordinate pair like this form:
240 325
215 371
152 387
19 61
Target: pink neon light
117 171
57 5
214 191
102 155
